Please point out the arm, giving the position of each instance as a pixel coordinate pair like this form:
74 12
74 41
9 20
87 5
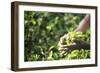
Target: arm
84 24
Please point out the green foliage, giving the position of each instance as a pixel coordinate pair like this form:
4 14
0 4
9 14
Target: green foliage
43 31
72 36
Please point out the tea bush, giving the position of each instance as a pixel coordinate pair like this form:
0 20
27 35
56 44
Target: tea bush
43 31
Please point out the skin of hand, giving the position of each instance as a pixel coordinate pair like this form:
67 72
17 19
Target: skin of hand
76 45
61 44
83 25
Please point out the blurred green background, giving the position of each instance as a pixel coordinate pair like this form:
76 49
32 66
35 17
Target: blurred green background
42 34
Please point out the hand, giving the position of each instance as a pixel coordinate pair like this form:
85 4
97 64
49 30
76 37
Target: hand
61 44
77 44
